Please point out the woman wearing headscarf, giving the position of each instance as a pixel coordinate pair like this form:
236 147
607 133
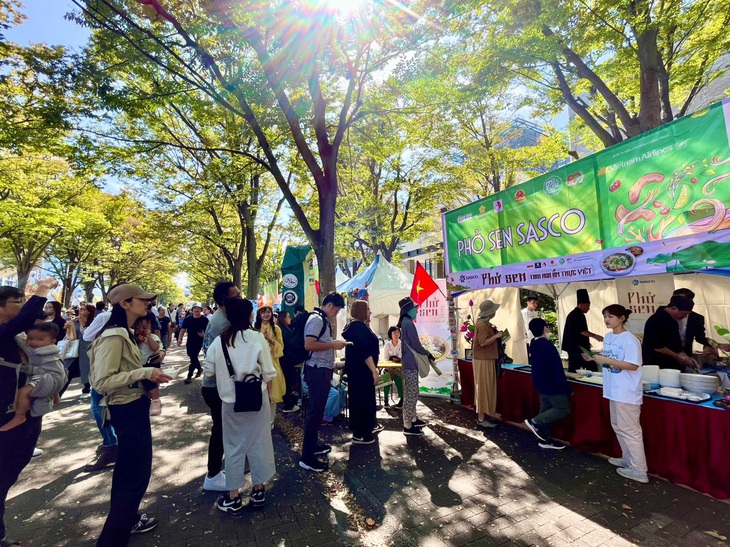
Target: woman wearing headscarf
361 360
272 334
485 353
409 335
118 375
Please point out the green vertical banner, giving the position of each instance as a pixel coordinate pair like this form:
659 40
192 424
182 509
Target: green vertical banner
293 278
659 198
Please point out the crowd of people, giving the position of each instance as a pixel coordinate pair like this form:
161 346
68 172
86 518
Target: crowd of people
254 363
251 364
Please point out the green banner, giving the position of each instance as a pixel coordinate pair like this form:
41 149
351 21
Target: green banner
669 182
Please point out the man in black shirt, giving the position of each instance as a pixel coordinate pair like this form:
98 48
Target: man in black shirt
576 334
662 344
195 326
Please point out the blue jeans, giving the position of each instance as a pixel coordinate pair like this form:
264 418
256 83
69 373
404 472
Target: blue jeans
319 381
97 412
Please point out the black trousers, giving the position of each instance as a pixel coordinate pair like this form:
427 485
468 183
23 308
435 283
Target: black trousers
215 444
318 381
361 390
292 378
16 450
131 472
193 352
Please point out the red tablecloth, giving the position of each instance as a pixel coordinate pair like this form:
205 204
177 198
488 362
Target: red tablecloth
685 443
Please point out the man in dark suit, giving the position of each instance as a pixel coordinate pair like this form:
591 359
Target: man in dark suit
692 328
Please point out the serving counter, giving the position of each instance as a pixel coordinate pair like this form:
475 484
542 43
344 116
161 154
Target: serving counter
686 443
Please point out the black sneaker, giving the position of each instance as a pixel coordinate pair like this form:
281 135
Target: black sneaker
323 450
363 440
228 505
106 457
144 524
418 423
187 381
378 428
398 405
415 431
258 497
198 373
313 465
532 426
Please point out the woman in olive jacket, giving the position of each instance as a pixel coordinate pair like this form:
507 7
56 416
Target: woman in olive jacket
118 375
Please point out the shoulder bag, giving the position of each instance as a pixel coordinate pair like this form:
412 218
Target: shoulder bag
248 391
423 362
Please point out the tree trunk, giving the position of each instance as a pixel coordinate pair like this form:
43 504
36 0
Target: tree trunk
650 106
66 282
89 290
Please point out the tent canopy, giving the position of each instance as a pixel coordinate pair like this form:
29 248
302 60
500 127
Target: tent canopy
382 284
340 276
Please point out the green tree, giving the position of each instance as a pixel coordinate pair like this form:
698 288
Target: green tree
284 68
40 204
623 67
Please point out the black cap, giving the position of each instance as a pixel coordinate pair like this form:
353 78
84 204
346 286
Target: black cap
682 303
582 295
532 297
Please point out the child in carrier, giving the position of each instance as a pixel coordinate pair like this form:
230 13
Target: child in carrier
150 356
46 374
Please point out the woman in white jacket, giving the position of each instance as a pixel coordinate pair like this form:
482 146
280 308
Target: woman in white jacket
245 434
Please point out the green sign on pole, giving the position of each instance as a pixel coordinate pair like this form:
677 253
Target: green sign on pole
671 182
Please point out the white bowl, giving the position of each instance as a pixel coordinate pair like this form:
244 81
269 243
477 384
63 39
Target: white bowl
669 378
703 386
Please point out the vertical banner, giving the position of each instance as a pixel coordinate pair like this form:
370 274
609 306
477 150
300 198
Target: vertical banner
643 295
293 282
433 331
311 282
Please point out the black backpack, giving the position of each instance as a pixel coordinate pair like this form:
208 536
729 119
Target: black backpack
298 353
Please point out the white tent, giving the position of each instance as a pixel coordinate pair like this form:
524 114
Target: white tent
340 276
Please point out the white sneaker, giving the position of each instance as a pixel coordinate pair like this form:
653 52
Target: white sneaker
37 452
215 484
618 462
628 473
85 396
155 407
295 408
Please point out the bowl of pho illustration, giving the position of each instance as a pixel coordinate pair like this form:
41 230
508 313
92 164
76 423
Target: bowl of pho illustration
619 263
434 344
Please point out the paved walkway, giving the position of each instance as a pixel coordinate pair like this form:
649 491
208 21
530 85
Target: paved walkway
454 486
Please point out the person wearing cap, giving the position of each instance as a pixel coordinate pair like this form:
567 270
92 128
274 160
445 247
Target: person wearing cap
318 370
529 313
412 425
485 352
692 329
662 344
118 375
576 334
550 382
195 326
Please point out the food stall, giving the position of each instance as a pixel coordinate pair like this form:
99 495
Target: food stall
656 204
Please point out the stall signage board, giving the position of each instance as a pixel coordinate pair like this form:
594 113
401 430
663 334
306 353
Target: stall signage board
434 333
595 218
643 295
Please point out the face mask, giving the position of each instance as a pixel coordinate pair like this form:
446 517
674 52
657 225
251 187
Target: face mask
412 313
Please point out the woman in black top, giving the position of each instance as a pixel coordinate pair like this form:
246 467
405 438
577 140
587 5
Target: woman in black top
165 326
361 360
53 311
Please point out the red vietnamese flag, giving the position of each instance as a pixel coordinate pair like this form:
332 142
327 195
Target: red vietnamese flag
423 285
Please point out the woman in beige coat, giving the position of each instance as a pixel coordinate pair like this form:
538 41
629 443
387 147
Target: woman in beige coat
484 361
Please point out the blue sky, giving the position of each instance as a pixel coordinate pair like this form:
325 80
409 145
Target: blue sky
46 24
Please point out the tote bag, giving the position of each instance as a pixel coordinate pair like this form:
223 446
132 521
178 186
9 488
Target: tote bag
423 362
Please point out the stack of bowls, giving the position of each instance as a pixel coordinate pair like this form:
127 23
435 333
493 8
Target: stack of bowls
699 383
669 377
650 373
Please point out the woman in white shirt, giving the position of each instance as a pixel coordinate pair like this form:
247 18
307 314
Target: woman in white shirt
622 362
393 352
245 434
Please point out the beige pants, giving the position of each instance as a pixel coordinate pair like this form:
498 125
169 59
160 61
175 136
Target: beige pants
626 425
485 386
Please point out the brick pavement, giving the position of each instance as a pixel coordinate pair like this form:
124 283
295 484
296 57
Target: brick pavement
454 486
